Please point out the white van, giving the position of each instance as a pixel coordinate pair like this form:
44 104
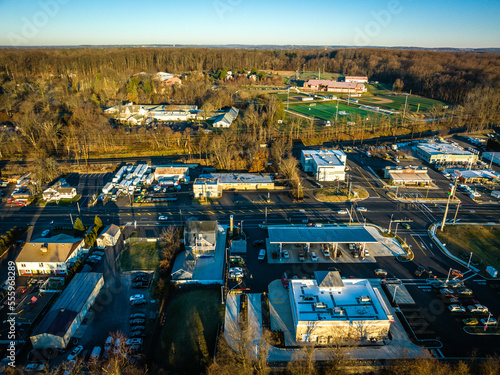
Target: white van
495 194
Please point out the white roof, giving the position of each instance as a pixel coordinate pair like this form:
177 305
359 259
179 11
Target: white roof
442 148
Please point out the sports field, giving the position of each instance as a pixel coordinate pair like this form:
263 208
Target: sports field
397 102
327 111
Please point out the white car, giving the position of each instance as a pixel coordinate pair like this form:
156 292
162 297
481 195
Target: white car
108 344
162 218
45 232
475 194
362 209
456 308
326 253
74 353
285 254
235 269
314 257
342 212
488 322
477 308
236 275
136 297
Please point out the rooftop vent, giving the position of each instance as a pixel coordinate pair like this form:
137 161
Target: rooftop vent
365 299
320 305
338 311
44 248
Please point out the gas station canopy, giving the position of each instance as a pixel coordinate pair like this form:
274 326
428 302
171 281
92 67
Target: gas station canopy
293 234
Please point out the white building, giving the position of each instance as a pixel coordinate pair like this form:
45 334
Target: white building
172 173
60 190
213 184
226 119
444 153
109 236
326 165
207 188
64 318
358 79
49 256
329 309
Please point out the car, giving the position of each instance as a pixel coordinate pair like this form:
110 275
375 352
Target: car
314 257
366 252
285 281
477 309
445 291
420 271
362 209
285 254
406 225
451 300
470 322
342 212
380 272
258 243
137 315
137 321
98 253
94 355
235 274
109 343
137 333
464 292
236 269
118 343
274 255
45 232
488 322
236 259
456 308
136 296
140 285
302 257
135 341
74 353
262 255
34 367
162 218
457 273
135 348
138 328
97 258
355 254
137 302
326 253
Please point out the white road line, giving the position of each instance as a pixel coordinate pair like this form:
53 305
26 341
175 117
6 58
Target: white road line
471 276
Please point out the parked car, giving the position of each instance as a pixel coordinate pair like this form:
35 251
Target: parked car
262 255
137 316
236 269
302 257
137 333
108 344
98 253
326 253
362 209
274 255
342 212
140 278
138 302
138 328
137 321
464 291
135 341
136 296
314 257
162 218
235 274
380 272
451 300
74 353
236 260
285 281
285 254
94 355
477 309
420 271
258 243
45 232
456 308
446 291
457 273
489 322
140 285
470 322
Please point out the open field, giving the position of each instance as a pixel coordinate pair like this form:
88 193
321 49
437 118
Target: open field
334 195
327 111
397 102
190 330
482 240
140 256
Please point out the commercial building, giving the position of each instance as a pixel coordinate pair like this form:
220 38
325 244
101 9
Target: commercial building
326 165
329 309
211 185
492 157
334 86
409 175
359 79
445 153
109 236
60 190
134 114
200 237
484 176
66 315
176 174
49 256
224 120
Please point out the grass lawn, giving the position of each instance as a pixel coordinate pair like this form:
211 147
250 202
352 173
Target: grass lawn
140 256
398 102
187 339
327 111
482 240
334 195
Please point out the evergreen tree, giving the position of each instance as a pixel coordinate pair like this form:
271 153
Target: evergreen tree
78 226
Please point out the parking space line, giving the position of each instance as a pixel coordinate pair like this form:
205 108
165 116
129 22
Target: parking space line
471 276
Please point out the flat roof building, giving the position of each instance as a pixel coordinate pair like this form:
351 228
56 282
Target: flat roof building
329 309
211 185
444 153
334 86
326 165
67 313
407 175
360 79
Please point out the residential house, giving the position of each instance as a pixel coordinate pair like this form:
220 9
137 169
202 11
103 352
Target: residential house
200 237
109 236
226 119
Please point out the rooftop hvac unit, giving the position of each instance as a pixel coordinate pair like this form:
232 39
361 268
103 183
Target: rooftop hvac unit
320 305
338 311
365 299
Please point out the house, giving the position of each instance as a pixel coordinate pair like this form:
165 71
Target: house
173 81
326 165
66 315
408 175
445 153
334 86
328 310
49 256
358 79
60 190
226 119
184 265
109 236
200 237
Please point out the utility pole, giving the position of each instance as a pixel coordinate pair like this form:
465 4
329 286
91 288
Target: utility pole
456 212
390 223
288 98
266 217
451 193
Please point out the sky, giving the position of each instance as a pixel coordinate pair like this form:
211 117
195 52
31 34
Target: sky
411 23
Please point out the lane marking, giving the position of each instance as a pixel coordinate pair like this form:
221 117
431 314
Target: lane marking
368 181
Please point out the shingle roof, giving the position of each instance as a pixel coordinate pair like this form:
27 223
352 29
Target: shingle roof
59 248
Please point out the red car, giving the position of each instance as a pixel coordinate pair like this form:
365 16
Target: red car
285 281
457 273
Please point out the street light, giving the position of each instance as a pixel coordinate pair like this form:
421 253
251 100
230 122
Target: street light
390 223
395 291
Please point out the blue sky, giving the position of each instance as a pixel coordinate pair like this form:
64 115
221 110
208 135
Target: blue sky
423 23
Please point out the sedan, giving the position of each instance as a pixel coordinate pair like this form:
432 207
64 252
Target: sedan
342 212
314 257
98 253
137 315
302 257
274 255
420 271
236 270
137 302
380 272
137 321
464 292
456 308
45 232
137 333
470 322
74 353
477 309
162 218
136 297
362 209
285 254
489 322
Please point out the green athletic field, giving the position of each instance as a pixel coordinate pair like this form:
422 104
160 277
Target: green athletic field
398 102
327 111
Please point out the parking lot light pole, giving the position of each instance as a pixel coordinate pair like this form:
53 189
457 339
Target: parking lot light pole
470 258
396 231
390 223
395 291
448 278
